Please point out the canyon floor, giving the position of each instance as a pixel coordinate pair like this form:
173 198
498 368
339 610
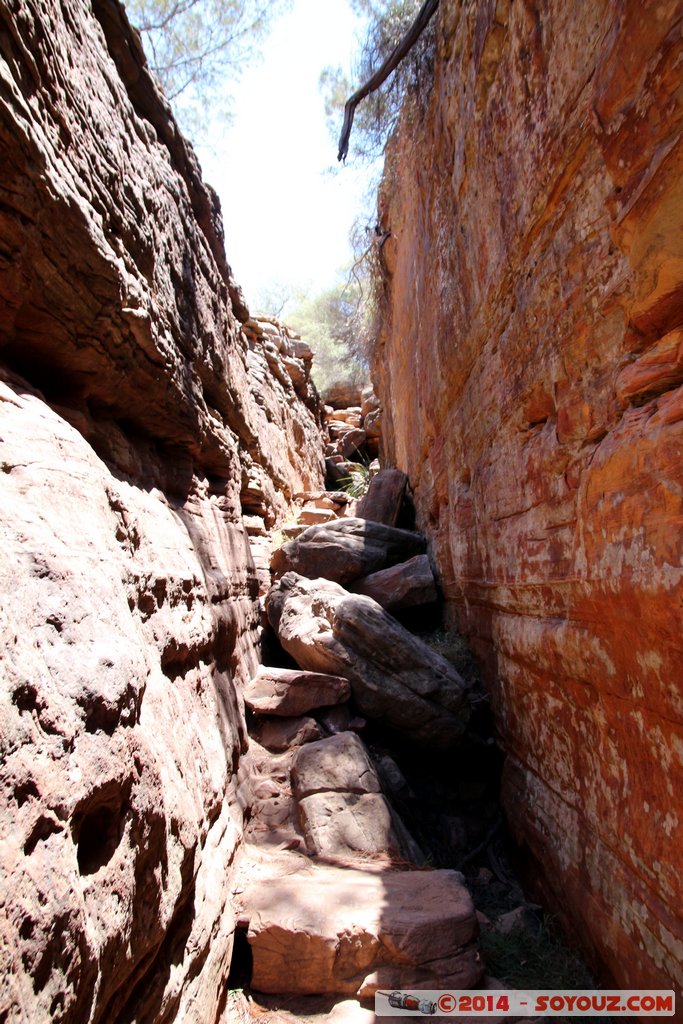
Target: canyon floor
377 857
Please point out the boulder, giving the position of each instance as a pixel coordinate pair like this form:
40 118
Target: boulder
405 585
341 808
351 441
279 734
342 395
395 677
337 469
311 516
520 919
372 424
369 401
287 692
339 763
351 416
330 929
383 499
338 428
340 805
301 350
339 719
348 825
346 549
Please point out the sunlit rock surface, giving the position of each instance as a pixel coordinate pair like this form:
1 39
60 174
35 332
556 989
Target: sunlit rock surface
530 376
138 421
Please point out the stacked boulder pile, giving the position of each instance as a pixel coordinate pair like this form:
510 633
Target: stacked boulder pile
351 435
334 895
353 422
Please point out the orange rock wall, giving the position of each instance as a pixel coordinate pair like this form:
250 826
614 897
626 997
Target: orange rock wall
530 366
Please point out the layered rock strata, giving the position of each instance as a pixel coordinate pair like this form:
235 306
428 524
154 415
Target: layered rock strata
139 421
529 369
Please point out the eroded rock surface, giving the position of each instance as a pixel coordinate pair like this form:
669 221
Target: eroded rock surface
395 677
330 929
533 396
138 422
405 585
383 500
346 549
291 692
341 808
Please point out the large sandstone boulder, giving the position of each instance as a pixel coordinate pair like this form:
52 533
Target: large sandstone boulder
341 809
342 395
290 692
395 677
330 929
278 734
346 549
383 499
340 804
405 585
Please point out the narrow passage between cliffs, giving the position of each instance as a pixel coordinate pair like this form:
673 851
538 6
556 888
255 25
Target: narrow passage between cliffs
377 857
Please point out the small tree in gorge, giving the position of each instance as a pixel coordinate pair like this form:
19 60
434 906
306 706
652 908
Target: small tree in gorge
195 46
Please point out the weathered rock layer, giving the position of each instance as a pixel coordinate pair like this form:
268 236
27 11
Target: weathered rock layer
138 422
530 375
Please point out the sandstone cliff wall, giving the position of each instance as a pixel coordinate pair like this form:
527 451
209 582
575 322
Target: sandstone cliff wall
530 368
137 423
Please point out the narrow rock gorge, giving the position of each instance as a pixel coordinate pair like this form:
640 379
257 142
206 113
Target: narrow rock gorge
218 688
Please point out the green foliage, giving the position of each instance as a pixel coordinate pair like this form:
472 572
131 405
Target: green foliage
358 481
377 115
454 648
331 323
524 960
195 46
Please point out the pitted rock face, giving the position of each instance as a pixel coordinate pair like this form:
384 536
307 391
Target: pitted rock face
138 421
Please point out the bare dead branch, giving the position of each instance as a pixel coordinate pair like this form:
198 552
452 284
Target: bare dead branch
380 76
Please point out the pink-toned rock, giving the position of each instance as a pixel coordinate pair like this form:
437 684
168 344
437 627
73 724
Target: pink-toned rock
351 416
339 719
313 516
383 499
330 929
287 692
338 429
395 677
369 401
338 763
342 811
346 549
405 585
279 734
323 501
351 442
372 425
129 619
342 395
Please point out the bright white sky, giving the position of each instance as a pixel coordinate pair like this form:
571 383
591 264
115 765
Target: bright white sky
287 218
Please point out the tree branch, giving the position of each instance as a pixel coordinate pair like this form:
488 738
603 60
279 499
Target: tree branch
380 76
